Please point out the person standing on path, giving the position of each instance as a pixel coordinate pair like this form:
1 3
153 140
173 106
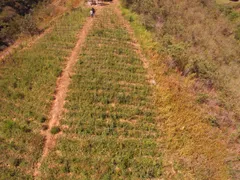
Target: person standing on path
92 12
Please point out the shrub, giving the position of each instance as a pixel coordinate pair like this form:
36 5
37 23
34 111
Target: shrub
213 121
43 119
55 130
28 25
16 162
202 98
14 19
26 129
9 126
190 28
8 32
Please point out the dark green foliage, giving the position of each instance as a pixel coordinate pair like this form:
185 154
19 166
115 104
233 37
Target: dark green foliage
213 121
187 28
20 6
16 162
55 130
200 40
27 25
43 119
13 20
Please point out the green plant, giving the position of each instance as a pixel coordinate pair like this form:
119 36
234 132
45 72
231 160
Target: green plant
55 130
43 119
213 121
28 25
202 98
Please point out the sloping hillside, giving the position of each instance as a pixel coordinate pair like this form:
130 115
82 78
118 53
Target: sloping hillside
142 90
198 40
11 12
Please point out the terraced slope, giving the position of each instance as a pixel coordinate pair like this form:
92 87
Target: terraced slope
110 128
27 85
117 123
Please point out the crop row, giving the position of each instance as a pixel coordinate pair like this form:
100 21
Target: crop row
109 129
27 83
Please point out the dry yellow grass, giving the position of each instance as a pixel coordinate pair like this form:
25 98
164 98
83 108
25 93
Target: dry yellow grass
227 2
193 148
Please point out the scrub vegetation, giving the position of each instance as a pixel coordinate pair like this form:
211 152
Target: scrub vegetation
196 55
21 19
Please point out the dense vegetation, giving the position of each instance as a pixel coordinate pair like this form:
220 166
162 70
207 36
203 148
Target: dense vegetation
19 6
13 20
195 33
199 40
231 10
196 40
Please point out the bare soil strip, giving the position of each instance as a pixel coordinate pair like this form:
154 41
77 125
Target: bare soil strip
136 44
61 93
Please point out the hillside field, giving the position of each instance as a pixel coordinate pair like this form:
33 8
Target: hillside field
142 90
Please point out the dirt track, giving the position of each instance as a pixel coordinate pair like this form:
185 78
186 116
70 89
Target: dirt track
61 92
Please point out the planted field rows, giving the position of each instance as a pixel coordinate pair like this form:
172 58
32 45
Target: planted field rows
109 128
27 83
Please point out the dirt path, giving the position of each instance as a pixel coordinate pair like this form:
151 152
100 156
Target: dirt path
61 92
136 44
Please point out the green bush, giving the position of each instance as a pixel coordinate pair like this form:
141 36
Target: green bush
55 130
43 119
233 15
16 162
28 25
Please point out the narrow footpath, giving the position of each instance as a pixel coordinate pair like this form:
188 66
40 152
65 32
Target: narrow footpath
61 91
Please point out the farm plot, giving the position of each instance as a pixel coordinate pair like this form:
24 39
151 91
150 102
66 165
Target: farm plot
109 129
27 84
